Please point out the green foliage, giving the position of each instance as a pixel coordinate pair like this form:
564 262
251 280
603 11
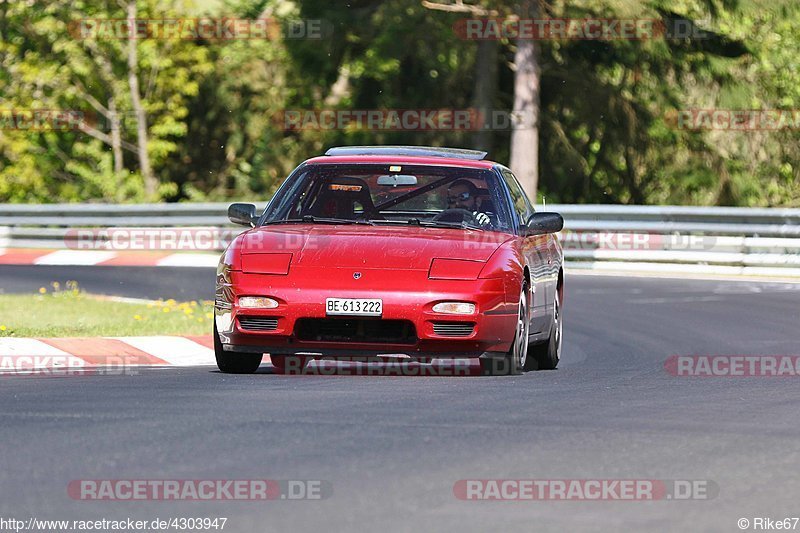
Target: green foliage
213 108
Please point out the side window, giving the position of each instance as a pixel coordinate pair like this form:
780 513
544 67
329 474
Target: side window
521 203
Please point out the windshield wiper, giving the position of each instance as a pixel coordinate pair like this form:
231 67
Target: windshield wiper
394 221
430 223
309 219
443 224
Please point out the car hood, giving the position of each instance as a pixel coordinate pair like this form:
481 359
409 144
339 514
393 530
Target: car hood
384 247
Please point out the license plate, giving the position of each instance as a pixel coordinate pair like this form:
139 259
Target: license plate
354 306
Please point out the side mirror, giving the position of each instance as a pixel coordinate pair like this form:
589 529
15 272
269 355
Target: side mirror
244 214
544 222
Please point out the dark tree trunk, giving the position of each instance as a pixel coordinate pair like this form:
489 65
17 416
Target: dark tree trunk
485 89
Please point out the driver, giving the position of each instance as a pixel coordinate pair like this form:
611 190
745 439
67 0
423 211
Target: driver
463 194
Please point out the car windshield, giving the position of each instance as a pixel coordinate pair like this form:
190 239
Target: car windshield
392 194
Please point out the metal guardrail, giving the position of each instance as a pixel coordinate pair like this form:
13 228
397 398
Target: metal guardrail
709 239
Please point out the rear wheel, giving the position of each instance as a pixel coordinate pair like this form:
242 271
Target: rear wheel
546 356
234 362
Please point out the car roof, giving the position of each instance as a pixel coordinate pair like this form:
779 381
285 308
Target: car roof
406 160
398 155
436 151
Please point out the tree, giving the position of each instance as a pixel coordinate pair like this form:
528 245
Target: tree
139 112
526 112
53 66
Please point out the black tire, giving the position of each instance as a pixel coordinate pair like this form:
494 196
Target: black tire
545 356
235 362
516 360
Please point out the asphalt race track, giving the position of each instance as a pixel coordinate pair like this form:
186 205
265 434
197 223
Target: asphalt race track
182 284
392 448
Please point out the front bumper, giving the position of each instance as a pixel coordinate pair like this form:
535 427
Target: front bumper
407 296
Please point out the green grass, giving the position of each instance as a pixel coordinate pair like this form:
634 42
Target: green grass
71 313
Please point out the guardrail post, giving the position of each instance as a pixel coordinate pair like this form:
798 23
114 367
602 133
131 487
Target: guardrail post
5 237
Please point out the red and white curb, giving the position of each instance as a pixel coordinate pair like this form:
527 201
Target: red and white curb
19 256
126 355
75 353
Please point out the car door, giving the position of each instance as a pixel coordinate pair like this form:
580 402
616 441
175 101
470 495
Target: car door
551 265
536 250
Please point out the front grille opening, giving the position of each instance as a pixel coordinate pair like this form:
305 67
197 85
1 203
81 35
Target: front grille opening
356 330
453 329
258 323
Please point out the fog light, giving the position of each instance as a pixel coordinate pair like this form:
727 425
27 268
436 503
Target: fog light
454 308
257 302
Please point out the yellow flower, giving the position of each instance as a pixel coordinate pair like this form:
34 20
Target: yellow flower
42 290
137 317
2 328
166 309
209 315
56 285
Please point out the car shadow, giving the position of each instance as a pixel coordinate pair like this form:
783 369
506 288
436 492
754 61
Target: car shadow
391 368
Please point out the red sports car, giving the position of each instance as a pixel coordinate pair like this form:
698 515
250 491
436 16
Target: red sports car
369 251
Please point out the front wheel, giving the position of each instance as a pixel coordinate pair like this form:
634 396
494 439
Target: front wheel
546 356
234 362
516 360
